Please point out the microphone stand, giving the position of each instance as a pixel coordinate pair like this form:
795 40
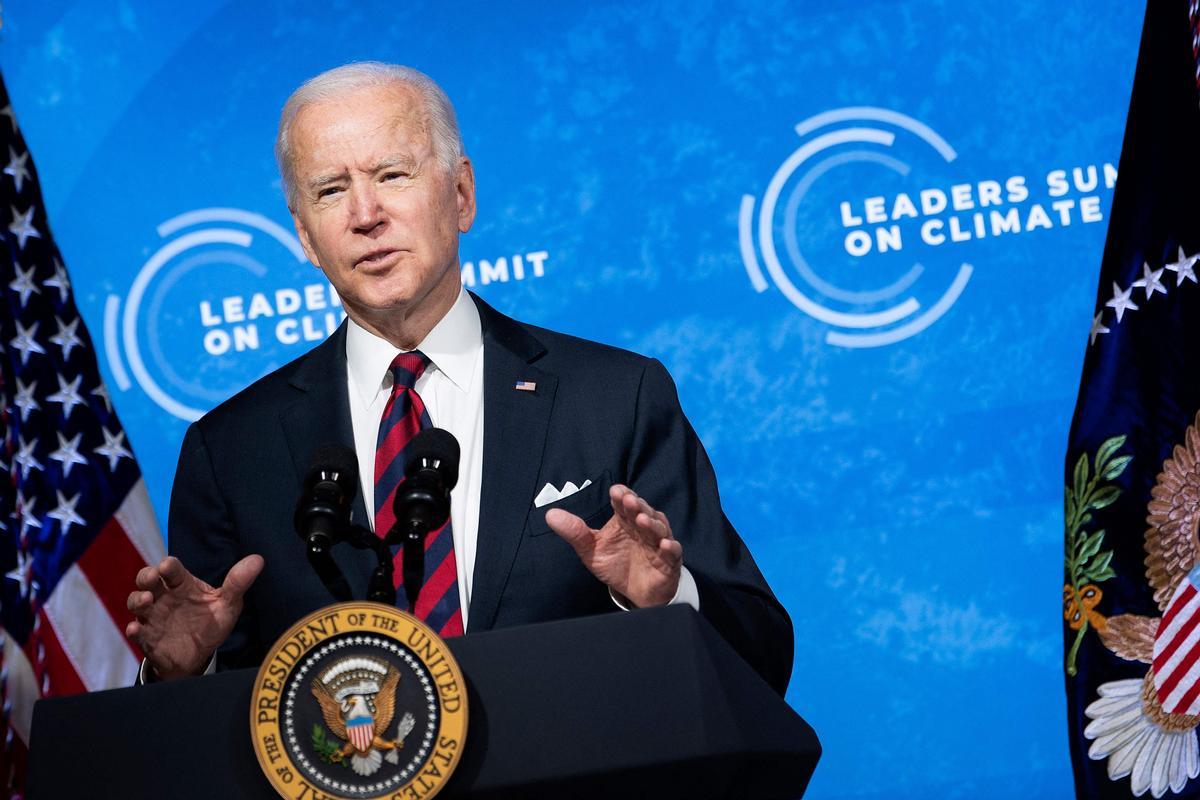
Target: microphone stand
380 588
414 560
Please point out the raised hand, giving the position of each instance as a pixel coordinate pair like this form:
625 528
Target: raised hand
180 620
634 553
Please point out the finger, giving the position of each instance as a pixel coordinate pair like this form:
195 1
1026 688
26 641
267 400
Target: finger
644 510
659 517
671 551
571 528
139 602
149 579
636 504
133 629
242 575
624 503
616 494
652 527
174 574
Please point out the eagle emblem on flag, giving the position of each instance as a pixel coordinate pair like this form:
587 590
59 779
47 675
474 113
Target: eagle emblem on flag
1146 727
357 696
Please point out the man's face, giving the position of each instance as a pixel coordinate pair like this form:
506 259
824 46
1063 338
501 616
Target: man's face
374 208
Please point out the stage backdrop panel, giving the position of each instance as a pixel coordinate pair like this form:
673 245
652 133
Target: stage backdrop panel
864 238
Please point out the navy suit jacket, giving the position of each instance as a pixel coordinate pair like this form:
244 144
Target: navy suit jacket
598 413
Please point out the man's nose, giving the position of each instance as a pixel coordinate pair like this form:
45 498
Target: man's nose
366 213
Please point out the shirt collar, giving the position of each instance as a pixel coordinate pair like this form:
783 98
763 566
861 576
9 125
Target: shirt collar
453 348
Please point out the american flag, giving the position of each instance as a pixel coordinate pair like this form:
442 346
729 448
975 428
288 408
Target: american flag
75 519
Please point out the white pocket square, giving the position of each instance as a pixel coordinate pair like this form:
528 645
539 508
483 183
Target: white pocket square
549 494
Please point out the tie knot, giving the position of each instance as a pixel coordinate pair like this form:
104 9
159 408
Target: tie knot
407 367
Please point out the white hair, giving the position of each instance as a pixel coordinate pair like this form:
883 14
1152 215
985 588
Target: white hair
344 80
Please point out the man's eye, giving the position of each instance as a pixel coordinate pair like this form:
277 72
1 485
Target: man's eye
328 191
391 176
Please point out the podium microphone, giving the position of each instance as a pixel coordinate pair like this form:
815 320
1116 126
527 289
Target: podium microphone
422 502
323 514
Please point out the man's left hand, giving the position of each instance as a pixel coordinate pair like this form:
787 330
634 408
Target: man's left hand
634 553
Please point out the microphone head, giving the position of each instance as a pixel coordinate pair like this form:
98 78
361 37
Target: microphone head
437 449
323 509
337 463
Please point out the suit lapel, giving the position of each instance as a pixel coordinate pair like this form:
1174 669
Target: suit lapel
321 414
514 424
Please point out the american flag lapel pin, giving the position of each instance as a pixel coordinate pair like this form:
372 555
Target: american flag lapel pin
526 386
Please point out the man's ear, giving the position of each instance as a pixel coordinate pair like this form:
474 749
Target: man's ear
305 241
465 187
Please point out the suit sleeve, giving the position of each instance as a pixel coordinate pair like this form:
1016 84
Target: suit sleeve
201 534
669 467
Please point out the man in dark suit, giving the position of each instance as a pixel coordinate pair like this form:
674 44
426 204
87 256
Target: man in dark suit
380 191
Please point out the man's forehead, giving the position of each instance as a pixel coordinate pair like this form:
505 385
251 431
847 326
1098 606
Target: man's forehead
360 116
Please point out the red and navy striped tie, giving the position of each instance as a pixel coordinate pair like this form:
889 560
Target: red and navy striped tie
403 417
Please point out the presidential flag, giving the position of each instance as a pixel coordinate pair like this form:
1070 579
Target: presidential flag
1132 500
75 519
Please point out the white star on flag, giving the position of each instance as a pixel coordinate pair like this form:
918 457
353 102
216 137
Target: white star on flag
22 226
1183 268
18 168
28 517
26 459
67 338
68 395
59 281
113 448
7 111
1150 280
67 453
23 284
102 393
1121 301
21 572
24 400
1097 328
25 342
65 512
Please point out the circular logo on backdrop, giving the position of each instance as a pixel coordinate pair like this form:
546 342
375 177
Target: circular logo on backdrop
225 297
359 700
848 268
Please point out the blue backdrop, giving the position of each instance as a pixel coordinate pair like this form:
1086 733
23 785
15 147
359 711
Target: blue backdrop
864 238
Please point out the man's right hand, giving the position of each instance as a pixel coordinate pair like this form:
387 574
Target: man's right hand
180 620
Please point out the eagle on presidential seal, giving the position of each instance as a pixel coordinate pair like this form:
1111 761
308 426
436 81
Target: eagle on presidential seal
1146 727
357 696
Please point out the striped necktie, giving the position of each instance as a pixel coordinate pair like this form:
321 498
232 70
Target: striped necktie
403 417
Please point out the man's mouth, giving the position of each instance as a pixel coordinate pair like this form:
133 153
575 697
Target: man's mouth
376 257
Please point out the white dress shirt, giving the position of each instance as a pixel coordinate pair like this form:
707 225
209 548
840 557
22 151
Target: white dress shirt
452 390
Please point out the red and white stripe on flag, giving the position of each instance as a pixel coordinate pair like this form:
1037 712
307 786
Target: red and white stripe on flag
1177 650
78 639
78 643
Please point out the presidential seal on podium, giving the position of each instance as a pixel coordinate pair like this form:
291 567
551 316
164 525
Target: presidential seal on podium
359 700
